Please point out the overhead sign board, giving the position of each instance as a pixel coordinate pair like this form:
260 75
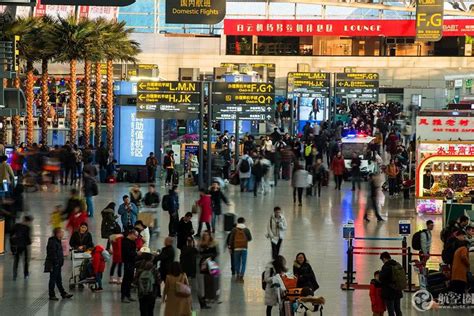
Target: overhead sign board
246 101
97 3
195 11
168 99
429 20
271 69
309 84
143 70
358 85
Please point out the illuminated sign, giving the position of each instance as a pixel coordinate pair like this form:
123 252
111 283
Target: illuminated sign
384 28
142 70
168 99
97 3
309 84
195 11
271 69
429 20
445 128
358 85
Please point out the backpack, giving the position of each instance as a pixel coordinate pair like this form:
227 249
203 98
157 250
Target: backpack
166 203
264 284
399 278
244 165
446 233
146 283
416 239
448 253
240 239
307 150
85 269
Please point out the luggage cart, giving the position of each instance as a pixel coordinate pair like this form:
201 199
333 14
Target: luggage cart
77 259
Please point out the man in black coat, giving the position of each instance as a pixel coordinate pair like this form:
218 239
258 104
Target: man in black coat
390 294
166 257
129 255
185 229
20 239
54 263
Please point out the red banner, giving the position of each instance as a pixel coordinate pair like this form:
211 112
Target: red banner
384 28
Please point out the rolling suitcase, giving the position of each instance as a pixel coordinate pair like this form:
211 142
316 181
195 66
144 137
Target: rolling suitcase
175 178
229 221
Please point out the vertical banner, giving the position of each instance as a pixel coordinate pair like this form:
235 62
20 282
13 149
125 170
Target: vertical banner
429 20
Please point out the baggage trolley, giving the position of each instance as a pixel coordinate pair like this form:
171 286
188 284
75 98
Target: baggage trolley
77 260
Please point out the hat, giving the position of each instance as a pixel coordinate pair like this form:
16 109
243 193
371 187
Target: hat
145 250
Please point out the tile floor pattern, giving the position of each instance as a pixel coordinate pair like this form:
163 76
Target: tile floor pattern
314 228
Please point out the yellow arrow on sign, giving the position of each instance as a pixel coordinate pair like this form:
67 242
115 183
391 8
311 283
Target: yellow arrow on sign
142 85
141 97
269 99
269 88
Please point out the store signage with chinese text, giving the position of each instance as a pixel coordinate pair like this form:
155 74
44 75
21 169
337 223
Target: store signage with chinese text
383 28
168 99
246 101
195 11
358 85
429 20
99 3
309 84
445 128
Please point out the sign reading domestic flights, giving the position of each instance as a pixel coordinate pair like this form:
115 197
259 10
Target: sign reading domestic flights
309 84
246 101
195 11
429 20
168 99
358 85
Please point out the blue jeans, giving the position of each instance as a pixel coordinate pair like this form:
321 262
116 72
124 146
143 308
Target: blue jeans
214 221
98 279
243 184
90 206
240 261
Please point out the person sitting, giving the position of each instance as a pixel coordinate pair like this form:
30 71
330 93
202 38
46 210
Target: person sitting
307 303
81 240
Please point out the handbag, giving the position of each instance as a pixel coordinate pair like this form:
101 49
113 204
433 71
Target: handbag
182 289
213 267
48 266
194 209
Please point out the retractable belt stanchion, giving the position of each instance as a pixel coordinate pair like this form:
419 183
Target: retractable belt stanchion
350 268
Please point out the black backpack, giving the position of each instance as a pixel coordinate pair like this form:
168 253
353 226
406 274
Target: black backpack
244 165
416 239
166 203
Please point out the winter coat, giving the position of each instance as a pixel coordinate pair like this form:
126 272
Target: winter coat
388 292
129 251
245 175
188 259
204 203
460 266
276 228
305 274
78 240
300 179
116 241
128 216
185 230
176 305
54 252
216 197
76 219
375 293
338 166
231 238
392 171
109 224
271 293
166 258
98 260
90 186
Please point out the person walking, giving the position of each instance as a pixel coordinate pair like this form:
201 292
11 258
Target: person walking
6 172
425 240
91 189
170 204
272 292
338 167
109 225
276 229
205 215
304 272
148 283
393 279
129 255
20 240
166 257
168 165
128 212
239 238
460 268
244 167
392 174
319 175
151 166
299 181
53 264
177 292
185 230
355 171
217 197
373 198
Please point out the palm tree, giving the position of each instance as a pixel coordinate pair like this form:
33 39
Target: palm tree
117 46
72 36
27 29
46 51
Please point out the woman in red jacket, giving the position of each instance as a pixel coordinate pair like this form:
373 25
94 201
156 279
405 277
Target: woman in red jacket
99 257
76 218
116 240
205 204
375 292
338 167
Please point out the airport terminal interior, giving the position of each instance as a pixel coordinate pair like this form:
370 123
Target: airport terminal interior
329 144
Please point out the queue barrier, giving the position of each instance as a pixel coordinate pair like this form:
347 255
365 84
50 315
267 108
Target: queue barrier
405 253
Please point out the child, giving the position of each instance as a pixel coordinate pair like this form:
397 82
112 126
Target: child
116 240
99 257
375 292
56 219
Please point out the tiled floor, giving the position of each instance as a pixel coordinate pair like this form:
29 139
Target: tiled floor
314 228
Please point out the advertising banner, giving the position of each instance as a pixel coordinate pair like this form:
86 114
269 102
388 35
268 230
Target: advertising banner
195 11
445 128
429 20
383 28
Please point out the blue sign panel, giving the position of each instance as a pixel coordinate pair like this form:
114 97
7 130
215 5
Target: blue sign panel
137 137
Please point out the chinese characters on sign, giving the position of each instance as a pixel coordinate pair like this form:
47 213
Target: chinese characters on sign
358 85
429 20
195 11
445 128
136 137
309 84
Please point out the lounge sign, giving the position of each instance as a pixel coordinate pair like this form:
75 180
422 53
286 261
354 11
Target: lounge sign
195 11
429 20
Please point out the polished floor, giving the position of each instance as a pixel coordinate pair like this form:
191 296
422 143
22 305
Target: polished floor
315 228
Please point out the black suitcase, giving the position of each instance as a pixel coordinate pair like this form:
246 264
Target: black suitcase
211 287
229 221
175 178
142 176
